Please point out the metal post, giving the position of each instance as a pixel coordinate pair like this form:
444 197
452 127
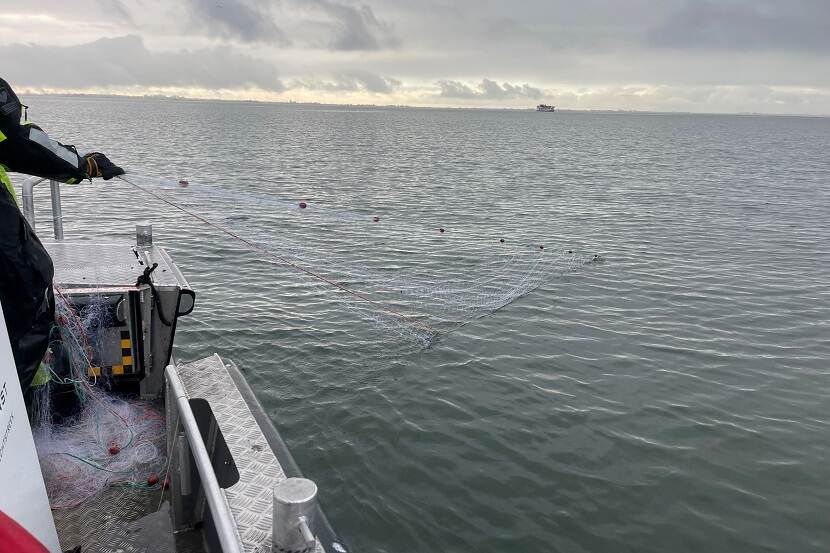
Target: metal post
57 213
144 235
29 199
293 515
222 518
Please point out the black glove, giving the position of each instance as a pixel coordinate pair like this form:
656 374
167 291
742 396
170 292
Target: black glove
98 165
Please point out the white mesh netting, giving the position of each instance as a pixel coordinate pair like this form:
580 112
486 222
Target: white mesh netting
413 280
105 440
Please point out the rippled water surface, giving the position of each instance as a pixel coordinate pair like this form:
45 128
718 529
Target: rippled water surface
674 397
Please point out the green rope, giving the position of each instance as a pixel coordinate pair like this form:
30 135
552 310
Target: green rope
93 464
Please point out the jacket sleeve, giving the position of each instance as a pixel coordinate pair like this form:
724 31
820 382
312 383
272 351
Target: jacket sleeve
25 148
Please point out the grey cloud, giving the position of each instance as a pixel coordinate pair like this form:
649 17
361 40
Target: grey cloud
352 81
372 82
492 89
241 20
746 25
487 90
696 49
701 99
124 61
354 27
117 9
455 89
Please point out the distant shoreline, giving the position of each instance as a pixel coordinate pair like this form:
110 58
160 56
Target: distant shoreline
162 97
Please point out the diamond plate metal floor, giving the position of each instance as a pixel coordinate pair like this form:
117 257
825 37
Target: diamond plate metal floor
250 499
123 520
90 264
102 523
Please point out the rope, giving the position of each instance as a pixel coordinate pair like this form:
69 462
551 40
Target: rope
407 318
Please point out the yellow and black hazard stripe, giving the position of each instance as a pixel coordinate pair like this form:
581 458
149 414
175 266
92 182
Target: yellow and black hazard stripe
126 367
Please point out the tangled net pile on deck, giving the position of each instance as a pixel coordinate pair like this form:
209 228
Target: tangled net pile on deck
109 440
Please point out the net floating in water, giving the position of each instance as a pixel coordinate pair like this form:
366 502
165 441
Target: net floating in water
396 277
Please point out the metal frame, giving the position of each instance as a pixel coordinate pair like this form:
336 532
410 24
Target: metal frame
220 513
29 204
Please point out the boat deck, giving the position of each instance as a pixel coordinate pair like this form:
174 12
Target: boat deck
93 264
137 520
238 434
250 499
124 520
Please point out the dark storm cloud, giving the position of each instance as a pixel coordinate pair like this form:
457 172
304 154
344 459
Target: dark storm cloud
745 25
354 27
124 61
487 90
241 20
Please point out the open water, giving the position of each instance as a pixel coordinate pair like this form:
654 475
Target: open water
673 398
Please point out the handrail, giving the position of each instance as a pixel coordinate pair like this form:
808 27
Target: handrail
221 515
57 212
29 199
29 204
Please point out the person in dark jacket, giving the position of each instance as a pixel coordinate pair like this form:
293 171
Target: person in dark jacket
25 267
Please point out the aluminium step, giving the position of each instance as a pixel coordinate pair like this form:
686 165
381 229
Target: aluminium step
255 455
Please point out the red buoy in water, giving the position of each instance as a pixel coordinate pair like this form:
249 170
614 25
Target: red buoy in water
153 479
376 219
114 449
303 205
183 183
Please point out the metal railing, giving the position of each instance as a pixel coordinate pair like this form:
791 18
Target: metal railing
29 204
220 513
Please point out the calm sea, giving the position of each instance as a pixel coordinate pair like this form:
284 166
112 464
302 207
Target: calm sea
673 398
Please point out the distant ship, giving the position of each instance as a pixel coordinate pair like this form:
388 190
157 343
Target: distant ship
545 107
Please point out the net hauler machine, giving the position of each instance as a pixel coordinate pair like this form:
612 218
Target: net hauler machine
135 296
228 482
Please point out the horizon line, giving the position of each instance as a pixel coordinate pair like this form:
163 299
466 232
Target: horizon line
289 102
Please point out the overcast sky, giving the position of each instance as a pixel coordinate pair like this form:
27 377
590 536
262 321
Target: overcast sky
769 56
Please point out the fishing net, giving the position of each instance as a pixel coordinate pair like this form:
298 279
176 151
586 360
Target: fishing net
413 280
406 278
105 439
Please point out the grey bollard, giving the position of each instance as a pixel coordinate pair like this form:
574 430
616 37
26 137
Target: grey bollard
294 508
144 235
